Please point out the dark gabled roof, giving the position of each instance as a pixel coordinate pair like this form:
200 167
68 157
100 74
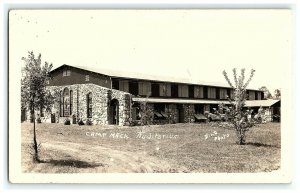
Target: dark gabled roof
76 67
141 76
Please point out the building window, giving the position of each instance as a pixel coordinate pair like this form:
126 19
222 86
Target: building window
198 92
164 89
211 93
223 93
258 95
66 102
87 77
71 102
67 73
183 91
61 104
89 105
251 95
123 85
144 88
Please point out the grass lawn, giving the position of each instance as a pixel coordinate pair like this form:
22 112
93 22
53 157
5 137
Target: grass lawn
169 148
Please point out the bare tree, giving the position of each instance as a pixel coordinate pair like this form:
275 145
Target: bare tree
239 117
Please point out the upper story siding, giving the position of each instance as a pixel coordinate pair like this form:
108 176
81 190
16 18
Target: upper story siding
68 76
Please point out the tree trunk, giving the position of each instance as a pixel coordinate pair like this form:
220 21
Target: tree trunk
242 141
242 137
31 115
35 145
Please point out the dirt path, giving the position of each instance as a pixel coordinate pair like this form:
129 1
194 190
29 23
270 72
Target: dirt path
105 159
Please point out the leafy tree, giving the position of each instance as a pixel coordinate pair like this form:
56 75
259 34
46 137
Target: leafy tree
237 115
34 94
267 94
277 94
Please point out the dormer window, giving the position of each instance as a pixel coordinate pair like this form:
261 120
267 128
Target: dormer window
67 73
87 77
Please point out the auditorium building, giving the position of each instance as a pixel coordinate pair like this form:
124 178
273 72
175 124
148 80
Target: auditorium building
112 98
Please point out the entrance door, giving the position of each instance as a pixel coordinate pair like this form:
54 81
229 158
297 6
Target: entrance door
113 115
53 118
180 113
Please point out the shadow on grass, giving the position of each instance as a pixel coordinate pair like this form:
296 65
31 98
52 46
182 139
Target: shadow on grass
72 163
261 145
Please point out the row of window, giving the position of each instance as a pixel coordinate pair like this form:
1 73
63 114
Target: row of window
177 90
144 88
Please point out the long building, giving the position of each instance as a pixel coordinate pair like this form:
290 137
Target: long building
109 97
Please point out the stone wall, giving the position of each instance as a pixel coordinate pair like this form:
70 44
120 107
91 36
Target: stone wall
172 112
189 113
124 100
101 97
99 103
268 114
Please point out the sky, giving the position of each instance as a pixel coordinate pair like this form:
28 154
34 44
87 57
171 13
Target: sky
191 44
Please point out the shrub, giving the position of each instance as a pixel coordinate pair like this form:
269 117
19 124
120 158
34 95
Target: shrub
80 122
38 120
67 121
89 122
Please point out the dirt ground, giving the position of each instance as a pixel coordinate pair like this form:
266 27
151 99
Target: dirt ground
157 148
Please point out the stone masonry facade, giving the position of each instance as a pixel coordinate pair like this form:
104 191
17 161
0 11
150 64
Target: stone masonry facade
101 98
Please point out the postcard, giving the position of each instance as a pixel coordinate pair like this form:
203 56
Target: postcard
150 96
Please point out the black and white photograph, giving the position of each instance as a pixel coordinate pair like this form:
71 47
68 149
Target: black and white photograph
192 95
